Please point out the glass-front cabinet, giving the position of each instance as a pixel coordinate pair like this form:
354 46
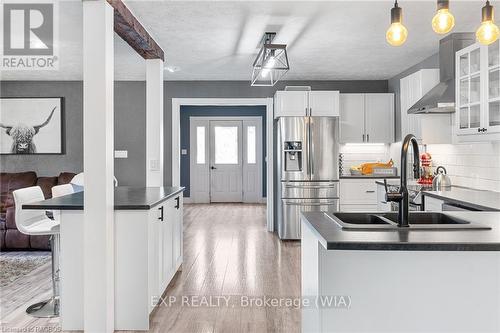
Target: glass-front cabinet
478 89
492 116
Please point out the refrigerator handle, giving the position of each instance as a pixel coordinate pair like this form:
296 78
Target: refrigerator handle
311 155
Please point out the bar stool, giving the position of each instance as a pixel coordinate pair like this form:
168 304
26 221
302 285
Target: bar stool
36 222
61 190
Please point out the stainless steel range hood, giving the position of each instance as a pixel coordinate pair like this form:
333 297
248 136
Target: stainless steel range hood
441 98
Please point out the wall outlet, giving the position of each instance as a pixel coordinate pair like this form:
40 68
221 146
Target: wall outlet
121 153
184 151
154 165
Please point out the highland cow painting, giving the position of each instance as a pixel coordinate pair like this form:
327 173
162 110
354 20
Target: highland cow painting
31 126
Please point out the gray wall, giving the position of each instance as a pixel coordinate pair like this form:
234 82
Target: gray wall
393 86
130 119
130 124
50 165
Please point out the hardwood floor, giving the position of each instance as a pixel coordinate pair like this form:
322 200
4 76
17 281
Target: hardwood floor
227 253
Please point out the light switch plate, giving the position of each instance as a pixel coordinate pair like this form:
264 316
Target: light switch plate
184 151
121 153
154 165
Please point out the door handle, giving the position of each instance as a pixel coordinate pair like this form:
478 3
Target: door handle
368 138
213 168
310 186
177 203
161 214
327 203
363 138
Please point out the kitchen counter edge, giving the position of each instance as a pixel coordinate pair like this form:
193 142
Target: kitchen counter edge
75 201
323 228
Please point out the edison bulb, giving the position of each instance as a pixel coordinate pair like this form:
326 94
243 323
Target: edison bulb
487 32
396 34
443 21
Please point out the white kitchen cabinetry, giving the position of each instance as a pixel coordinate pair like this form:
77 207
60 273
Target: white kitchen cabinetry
358 195
366 118
478 93
306 103
432 204
352 118
427 128
148 247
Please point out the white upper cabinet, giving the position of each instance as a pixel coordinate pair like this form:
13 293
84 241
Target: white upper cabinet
352 118
366 118
291 103
306 103
323 103
477 99
379 112
427 128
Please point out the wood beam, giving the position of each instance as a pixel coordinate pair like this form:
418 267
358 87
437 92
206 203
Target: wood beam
128 27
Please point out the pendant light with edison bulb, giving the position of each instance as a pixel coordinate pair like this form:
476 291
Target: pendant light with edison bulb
397 33
488 31
443 21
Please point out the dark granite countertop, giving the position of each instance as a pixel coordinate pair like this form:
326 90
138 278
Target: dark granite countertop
332 237
367 177
478 199
126 198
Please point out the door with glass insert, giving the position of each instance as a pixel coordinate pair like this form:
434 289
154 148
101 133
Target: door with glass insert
226 165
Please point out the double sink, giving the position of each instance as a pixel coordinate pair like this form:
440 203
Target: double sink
389 221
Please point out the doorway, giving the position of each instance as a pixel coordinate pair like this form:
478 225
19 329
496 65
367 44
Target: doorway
181 160
226 159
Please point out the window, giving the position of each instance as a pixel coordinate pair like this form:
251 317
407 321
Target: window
200 145
226 144
251 145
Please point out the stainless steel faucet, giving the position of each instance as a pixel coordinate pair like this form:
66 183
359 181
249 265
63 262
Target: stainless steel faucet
402 195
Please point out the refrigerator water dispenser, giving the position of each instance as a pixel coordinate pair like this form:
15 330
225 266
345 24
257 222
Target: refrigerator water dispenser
293 155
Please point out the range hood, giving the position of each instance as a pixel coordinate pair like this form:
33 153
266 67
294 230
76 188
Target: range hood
441 98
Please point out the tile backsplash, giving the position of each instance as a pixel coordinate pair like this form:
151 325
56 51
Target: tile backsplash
475 165
355 154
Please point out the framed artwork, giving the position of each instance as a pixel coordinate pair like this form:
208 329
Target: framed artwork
31 125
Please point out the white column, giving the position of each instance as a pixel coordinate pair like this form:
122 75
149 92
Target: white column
154 122
98 240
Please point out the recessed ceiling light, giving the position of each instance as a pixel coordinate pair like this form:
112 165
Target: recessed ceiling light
172 69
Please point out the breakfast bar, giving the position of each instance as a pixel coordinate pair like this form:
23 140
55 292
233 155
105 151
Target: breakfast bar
148 252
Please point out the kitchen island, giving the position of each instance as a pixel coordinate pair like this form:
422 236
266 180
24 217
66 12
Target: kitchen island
148 252
401 280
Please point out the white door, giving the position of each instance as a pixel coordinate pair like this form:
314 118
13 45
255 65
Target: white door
352 118
252 160
199 160
226 167
324 103
291 104
379 124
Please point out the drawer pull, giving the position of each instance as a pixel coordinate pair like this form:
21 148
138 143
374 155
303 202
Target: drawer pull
161 214
370 191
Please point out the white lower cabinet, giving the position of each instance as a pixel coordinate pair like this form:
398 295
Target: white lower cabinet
432 204
148 248
358 195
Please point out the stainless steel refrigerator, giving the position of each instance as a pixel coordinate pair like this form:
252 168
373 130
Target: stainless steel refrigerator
308 175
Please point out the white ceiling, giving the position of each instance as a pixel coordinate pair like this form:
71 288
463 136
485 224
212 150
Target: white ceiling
212 40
